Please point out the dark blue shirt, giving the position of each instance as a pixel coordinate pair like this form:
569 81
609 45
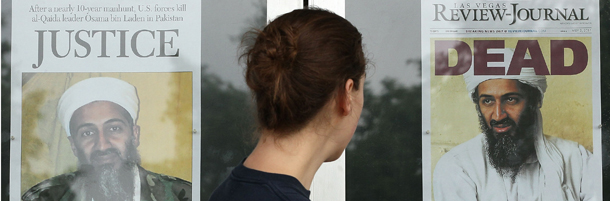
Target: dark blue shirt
252 185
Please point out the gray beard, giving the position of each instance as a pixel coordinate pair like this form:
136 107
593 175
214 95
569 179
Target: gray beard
115 184
507 154
107 183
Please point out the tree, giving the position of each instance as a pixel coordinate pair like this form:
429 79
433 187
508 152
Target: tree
6 114
384 158
227 126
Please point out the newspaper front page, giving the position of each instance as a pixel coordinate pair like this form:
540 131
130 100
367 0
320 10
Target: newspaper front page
105 100
511 100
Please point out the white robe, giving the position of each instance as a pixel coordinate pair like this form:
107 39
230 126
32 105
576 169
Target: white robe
465 173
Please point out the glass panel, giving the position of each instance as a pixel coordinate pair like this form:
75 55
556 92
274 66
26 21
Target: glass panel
226 117
384 158
604 36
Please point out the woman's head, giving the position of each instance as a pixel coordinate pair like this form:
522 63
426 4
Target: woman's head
298 63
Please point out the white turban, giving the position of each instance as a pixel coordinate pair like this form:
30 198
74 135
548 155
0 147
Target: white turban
547 153
97 89
528 75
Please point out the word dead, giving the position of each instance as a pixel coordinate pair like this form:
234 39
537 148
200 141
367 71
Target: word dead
480 58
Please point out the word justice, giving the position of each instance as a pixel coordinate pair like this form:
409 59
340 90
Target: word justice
481 57
86 38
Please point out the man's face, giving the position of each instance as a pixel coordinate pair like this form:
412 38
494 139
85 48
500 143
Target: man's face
508 121
501 104
103 134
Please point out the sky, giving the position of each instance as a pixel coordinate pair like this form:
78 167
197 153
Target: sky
391 34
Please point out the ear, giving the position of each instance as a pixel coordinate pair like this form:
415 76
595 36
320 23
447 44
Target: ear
136 135
345 99
72 145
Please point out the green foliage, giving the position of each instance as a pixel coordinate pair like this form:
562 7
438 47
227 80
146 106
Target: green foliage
227 124
384 158
6 116
6 87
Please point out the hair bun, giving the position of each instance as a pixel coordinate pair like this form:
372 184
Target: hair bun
281 46
296 64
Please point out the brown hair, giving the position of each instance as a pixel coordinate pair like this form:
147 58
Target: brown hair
297 63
